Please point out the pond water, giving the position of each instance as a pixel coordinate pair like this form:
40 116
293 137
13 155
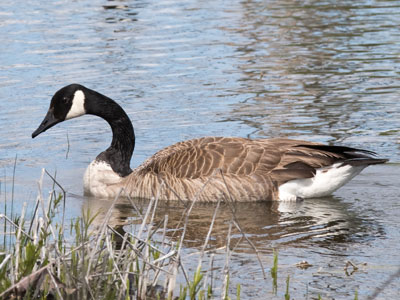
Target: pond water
326 71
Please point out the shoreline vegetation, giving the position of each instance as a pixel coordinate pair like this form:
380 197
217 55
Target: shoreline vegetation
45 257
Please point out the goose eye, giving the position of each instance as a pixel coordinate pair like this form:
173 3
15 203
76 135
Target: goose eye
65 100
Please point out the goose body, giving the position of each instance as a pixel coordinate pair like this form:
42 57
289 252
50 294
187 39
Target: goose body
209 168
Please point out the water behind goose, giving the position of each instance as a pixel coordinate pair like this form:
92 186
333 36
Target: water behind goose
323 71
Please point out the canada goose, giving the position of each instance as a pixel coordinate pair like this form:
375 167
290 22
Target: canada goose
206 168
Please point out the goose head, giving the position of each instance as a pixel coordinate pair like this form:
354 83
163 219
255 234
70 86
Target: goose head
67 103
75 100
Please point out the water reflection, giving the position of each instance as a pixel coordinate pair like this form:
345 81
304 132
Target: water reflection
120 12
325 222
308 68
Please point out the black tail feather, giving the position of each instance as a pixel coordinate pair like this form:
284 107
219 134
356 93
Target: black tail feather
364 161
351 156
346 152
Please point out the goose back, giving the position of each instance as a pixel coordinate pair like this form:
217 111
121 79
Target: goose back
237 168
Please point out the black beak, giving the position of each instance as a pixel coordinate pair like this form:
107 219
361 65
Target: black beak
48 122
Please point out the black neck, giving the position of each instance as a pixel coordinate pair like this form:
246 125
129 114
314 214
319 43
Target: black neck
119 154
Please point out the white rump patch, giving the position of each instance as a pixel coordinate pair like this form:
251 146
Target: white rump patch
325 182
77 109
99 179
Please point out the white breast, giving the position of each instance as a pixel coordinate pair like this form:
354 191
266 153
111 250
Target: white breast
325 182
100 180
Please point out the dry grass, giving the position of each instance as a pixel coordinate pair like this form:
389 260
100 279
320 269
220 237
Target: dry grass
42 258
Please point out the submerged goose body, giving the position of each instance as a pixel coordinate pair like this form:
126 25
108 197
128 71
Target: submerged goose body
209 168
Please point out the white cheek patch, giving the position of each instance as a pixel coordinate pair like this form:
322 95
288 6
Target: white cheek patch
77 109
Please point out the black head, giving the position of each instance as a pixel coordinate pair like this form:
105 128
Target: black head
67 103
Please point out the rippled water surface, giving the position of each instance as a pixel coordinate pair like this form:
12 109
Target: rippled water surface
326 71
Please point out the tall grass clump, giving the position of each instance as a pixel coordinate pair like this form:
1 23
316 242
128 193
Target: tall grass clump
44 257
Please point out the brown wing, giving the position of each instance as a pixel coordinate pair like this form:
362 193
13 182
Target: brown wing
200 157
280 159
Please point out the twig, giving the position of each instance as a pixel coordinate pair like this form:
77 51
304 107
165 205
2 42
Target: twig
253 246
208 236
111 254
172 190
64 196
210 230
380 288
5 260
210 268
226 266
135 207
164 230
173 252
16 226
66 154
180 264
55 284
34 215
145 218
168 255
18 241
346 268
12 187
236 223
